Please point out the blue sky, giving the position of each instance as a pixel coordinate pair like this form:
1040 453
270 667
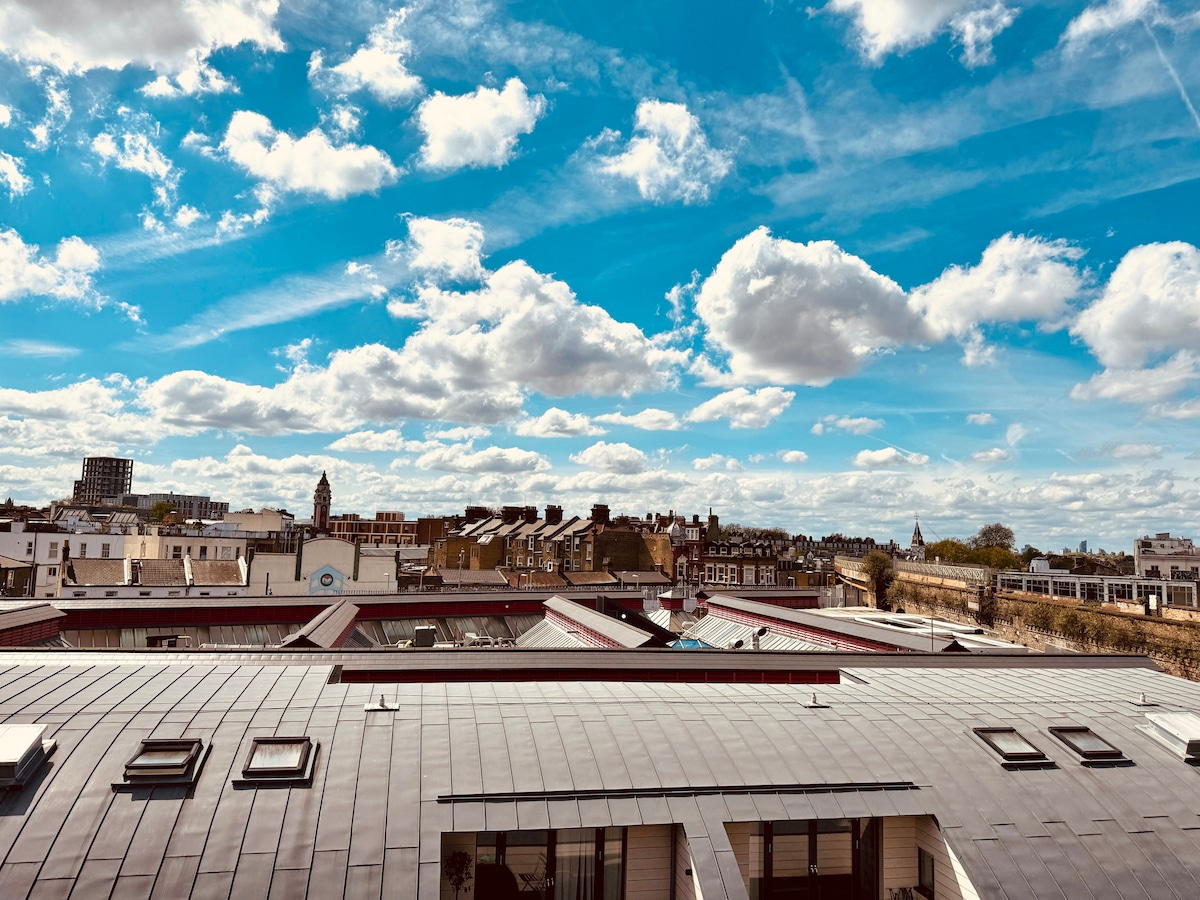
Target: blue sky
815 267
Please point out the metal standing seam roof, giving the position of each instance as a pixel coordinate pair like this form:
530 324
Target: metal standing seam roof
500 756
588 619
329 628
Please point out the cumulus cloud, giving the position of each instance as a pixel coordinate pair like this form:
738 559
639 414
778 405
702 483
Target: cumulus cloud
744 409
716 462
895 26
668 156
793 457
859 425
1149 385
11 175
994 455
378 66
389 441
24 272
556 422
1105 18
135 152
464 458
479 129
442 249
792 313
981 419
888 458
647 420
165 36
310 164
615 457
1147 309
1018 279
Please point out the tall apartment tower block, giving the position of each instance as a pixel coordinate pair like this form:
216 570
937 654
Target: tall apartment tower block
104 478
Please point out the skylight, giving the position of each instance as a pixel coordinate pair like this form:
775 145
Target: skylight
1178 731
1013 748
1093 748
164 761
279 760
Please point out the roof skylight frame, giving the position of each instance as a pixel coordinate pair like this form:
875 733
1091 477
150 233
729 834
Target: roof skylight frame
287 776
1109 755
1031 758
23 750
1179 732
148 767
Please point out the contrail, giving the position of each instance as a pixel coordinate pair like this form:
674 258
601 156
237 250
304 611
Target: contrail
1187 101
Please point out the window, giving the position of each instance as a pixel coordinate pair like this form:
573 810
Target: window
162 762
176 552
279 760
105 549
83 551
54 549
143 593
203 552
226 553
925 873
53 571
110 593
1014 749
29 548
1093 748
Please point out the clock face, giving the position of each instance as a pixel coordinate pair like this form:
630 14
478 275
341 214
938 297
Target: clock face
326 580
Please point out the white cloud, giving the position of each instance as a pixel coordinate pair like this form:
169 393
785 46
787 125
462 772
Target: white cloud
556 422
11 175
187 216
1150 385
26 347
388 441
615 457
26 273
524 328
859 425
443 249
981 419
1135 451
378 66
716 462
1018 279
344 120
459 433
668 156
1103 19
793 457
464 458
888 458
164 35
975 29
1015 433
798 313
58 114
647 420
1147 309
895 26
478 129
310 164
5 116
744 409
134 152
994 455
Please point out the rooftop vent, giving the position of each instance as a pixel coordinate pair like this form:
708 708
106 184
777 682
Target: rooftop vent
1178 731
22 752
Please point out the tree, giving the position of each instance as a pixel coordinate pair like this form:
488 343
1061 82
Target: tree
1029 555
457 869
951 550
877 567
160 509
995 535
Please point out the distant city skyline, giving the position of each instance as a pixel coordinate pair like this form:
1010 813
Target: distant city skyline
818 270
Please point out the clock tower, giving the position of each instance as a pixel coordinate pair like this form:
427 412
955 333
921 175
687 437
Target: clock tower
322 498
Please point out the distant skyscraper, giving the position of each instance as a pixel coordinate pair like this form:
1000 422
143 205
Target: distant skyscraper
104 478
1083 546
322 499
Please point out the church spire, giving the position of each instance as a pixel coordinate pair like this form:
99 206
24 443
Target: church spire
916 549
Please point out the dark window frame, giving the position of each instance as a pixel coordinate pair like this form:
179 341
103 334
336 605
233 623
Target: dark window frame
1112 756
1031 759
923 887
141 775
299 774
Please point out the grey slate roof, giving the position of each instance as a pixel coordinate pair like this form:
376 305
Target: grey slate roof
96 571
494 755
216 572
162 572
